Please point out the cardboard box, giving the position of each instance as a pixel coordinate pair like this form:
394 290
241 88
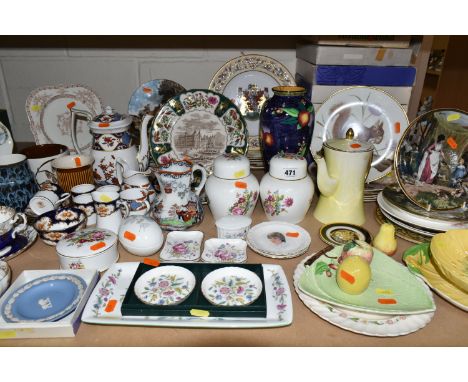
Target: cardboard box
65 327
384 41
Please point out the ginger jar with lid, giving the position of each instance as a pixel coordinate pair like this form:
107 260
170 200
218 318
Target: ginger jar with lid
231 189
287 190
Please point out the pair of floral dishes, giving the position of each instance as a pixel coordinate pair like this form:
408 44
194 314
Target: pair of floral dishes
171 285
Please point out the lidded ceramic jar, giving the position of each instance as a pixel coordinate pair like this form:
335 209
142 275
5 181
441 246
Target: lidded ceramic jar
287 190
231 189
141 235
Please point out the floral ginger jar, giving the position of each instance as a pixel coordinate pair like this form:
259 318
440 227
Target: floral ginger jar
287 190
231 189
286 123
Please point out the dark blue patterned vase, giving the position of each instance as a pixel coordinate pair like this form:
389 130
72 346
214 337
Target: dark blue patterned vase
286 123
17 183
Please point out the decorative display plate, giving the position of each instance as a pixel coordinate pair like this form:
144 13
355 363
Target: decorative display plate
419 261
198 124
431 160
47 298
374 116
392 289
150 96
167 285
341 233
278 240
408 227
408 235
231 286
358 322
21 244
111 290
225 251
6 141
182 246
50 118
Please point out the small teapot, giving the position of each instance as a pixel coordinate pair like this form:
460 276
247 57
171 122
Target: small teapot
341 174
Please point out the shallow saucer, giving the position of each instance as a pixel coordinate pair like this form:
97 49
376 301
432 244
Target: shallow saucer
165 285
225 251
21 244
231 286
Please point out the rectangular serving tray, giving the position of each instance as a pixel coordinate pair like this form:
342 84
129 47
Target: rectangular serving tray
105 304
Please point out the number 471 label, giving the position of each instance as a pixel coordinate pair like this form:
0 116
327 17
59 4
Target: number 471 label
290 172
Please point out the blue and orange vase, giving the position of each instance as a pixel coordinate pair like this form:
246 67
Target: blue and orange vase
286 123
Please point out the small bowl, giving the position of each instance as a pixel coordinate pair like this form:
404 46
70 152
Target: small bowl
55 225
5 276
231 286
165 285
225 251
233 226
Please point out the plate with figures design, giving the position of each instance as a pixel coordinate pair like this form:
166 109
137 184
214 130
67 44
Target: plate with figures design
231 286
431 160
45 299
168 285
48 110
374 116
199 124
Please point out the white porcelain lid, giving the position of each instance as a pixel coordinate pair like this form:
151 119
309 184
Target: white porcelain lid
348 145
231 166
110 120
86 242
288 166
233 222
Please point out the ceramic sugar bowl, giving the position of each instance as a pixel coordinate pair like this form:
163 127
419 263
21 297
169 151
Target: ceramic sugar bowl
231 189
287 190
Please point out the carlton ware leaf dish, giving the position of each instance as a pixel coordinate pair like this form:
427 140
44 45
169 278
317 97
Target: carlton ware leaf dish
358 322
182 246
278 240
231 286
420 261
431 160
47 298
6 141
198 124
374 116
165 285
392 289
224 251
48 110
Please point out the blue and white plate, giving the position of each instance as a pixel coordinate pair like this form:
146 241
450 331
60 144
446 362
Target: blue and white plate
45 299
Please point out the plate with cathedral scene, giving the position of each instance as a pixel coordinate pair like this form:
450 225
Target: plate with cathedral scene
199 124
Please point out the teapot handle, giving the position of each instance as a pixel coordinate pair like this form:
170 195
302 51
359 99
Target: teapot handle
203 179
82 113
143 151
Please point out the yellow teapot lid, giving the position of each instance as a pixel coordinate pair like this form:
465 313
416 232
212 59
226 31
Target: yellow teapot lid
348 144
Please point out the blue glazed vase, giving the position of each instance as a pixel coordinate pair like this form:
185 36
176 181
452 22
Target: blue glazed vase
286 123
17 183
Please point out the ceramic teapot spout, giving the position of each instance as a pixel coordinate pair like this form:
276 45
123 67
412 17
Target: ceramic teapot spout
326 184
143 152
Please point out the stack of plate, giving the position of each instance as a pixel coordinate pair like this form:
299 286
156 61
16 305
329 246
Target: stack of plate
371 191
396 208
395 303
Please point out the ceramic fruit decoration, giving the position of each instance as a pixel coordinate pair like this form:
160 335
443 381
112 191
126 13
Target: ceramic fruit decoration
286 123
357 248
353 275
385 240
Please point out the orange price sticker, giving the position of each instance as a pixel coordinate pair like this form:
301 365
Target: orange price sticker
386 301
355 145
452 143
380 54
104 124
97 246
129 235
240 184
152 262
71 104
110 306
292 234
348 277
397 127
78 162
147 90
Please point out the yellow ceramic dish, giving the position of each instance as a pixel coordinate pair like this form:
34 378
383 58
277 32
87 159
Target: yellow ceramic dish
450 254
418 259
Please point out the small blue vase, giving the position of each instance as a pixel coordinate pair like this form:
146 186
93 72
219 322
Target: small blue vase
286 123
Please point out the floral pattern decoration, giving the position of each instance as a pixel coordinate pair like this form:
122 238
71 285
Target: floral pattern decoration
233 291
166 289
245 201
279 294
275 203
79 238
225 253
105 292
182 250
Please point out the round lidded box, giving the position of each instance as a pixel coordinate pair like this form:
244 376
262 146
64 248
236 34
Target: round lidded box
89 248
233 227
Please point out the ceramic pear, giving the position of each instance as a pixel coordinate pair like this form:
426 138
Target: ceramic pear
385 240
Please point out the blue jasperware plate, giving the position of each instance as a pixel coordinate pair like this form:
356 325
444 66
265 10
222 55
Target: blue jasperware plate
45 299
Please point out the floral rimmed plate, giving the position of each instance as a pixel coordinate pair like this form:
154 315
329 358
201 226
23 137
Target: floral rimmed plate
165 285
6 141
198 124
358 322
182 246
341 233
47 298
224 251
23 241
374 116
278 240
50 118
431 160
419 261
231 286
